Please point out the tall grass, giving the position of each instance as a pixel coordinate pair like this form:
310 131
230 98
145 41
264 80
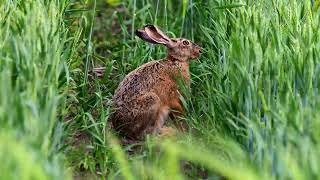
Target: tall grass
252 109
267 64
35 48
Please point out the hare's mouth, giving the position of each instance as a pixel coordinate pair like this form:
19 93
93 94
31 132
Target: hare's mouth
195 54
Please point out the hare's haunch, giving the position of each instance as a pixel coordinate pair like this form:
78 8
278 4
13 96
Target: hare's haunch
144 98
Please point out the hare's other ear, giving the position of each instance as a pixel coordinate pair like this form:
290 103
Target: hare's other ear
152 34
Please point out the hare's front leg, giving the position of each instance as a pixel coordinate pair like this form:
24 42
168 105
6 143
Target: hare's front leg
177 110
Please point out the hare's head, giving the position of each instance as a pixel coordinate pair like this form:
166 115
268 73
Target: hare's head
178 48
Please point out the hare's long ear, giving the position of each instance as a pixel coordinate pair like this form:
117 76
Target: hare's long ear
152 34
141 33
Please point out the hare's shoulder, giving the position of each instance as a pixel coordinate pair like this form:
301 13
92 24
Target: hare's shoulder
150 67
146 71
141 80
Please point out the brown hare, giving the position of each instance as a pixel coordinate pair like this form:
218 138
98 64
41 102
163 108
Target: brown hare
145 97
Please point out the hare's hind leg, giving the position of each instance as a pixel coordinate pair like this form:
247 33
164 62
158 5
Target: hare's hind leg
151 115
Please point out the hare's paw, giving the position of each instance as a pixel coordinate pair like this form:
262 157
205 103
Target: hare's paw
167 132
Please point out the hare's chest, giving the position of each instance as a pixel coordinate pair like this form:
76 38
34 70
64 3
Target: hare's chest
182 71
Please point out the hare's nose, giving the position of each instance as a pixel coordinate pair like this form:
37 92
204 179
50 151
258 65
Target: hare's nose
200 51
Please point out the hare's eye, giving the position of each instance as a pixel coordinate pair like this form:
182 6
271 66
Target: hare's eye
185 42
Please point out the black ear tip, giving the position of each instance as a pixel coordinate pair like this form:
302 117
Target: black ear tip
149 25
138 33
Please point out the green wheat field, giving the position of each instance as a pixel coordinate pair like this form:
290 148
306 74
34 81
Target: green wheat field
253 109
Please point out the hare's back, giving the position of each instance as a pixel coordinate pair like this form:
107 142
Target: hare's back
143 79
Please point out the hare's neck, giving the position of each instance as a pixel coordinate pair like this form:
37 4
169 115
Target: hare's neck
176 59
177 62
179 67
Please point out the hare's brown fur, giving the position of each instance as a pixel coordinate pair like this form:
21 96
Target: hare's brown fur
143 100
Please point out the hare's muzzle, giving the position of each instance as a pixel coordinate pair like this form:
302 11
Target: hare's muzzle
199 49
196 51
